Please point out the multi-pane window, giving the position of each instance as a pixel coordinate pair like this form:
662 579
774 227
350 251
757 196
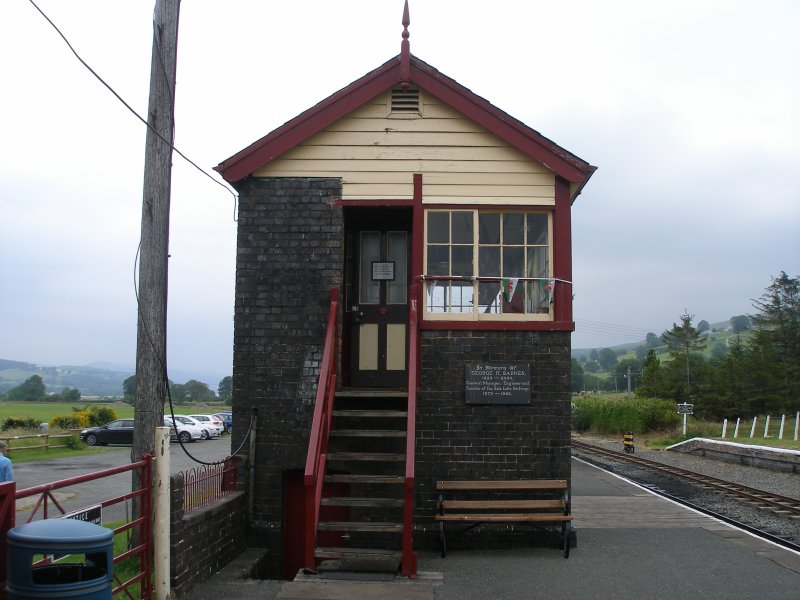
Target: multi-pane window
487 263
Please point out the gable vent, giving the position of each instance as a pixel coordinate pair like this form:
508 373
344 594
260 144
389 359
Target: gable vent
405 101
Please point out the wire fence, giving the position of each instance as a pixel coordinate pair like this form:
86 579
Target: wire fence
208 483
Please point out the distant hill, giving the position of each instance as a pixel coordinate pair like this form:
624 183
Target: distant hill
90 381
95 379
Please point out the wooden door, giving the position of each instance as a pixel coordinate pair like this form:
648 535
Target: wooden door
378 305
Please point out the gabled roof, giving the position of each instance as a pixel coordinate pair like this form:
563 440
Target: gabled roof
419 73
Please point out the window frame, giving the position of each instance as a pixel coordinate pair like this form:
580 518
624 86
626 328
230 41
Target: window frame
476 316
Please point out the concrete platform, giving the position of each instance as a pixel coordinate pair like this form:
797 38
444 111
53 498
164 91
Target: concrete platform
631 545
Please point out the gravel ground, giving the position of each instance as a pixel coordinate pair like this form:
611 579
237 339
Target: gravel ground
784 484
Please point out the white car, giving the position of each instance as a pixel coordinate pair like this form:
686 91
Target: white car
205 431
187 431
211 423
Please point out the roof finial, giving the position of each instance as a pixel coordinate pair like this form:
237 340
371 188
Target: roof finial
405 51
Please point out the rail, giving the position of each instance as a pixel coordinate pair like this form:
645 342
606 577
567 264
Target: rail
143 522
320 428
208 483
47 437
408 565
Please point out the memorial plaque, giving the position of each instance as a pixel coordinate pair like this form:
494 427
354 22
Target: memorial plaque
498 383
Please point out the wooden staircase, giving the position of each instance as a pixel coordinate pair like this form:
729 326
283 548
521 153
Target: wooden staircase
361 510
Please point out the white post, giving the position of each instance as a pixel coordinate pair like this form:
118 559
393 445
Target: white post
766 427
684 424
724 427
780 431
753 428
736 429
161 501
796 424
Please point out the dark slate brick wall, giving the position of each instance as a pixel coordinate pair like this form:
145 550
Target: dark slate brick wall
289 254
204 541
460 441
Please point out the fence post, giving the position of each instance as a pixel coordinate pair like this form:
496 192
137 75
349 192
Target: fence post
724 427
780 431
796 423
753 428
766 428
736 429
161 516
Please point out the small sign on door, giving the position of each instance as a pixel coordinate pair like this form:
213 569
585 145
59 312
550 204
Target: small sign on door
383 271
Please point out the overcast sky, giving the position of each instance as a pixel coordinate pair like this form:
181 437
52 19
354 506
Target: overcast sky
689 109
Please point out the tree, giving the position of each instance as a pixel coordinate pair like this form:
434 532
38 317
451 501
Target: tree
652 340
607 359
778 333
740 323
651 383
225 389
129 387
31 390
70 395
683 340
593 354
576 376
703 326
198 392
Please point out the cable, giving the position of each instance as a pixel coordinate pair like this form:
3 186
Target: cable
128 106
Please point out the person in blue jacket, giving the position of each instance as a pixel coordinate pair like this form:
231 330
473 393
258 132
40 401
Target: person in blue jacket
6 470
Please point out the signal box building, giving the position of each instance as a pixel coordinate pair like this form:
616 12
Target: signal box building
425 235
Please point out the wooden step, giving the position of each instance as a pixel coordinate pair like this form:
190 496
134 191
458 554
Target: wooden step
370 413
375 527
367 433
364 479
363 502
362 456
358 553
376 393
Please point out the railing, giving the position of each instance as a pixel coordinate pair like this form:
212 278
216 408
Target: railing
143 522
408 565
7 511
208 483
320 428
47 437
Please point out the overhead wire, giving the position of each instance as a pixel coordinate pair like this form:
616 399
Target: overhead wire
131 109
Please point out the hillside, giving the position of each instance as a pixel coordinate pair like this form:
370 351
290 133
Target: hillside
90 381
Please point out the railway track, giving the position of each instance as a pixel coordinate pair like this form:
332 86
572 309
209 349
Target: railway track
783 508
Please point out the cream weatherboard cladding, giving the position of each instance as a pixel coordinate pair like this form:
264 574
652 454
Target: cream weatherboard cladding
375 153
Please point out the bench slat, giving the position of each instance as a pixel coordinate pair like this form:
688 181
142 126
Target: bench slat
530 484
501 504
505 518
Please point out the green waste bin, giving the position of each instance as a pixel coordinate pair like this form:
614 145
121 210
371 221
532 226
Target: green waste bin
87 575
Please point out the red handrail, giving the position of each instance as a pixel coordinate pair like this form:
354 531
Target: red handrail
320 427
408 565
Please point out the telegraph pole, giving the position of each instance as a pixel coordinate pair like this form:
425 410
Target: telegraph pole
151 335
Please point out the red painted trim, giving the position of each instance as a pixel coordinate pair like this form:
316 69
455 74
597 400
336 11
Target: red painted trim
562 249
310 122
417 243
497 325
313 120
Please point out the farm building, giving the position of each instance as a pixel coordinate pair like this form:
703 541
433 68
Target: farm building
403 311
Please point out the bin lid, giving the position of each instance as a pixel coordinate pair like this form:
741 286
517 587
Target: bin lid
64 531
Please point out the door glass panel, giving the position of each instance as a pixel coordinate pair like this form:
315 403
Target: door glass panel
369 290
397 290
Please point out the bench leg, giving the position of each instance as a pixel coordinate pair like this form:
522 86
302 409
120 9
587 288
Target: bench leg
565 527
442 539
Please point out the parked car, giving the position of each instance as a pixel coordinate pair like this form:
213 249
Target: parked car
210 422
114 432
227 420
187 431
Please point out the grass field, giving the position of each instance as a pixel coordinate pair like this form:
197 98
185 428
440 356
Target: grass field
45 411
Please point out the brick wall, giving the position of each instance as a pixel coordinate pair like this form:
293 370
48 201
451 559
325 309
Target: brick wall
460 441
204 541
289 254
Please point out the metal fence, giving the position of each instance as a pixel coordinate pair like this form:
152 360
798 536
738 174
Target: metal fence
208 483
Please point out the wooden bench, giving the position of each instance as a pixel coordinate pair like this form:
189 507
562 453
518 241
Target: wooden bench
547 501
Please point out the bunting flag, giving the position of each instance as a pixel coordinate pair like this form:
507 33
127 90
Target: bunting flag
508 285
548 289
